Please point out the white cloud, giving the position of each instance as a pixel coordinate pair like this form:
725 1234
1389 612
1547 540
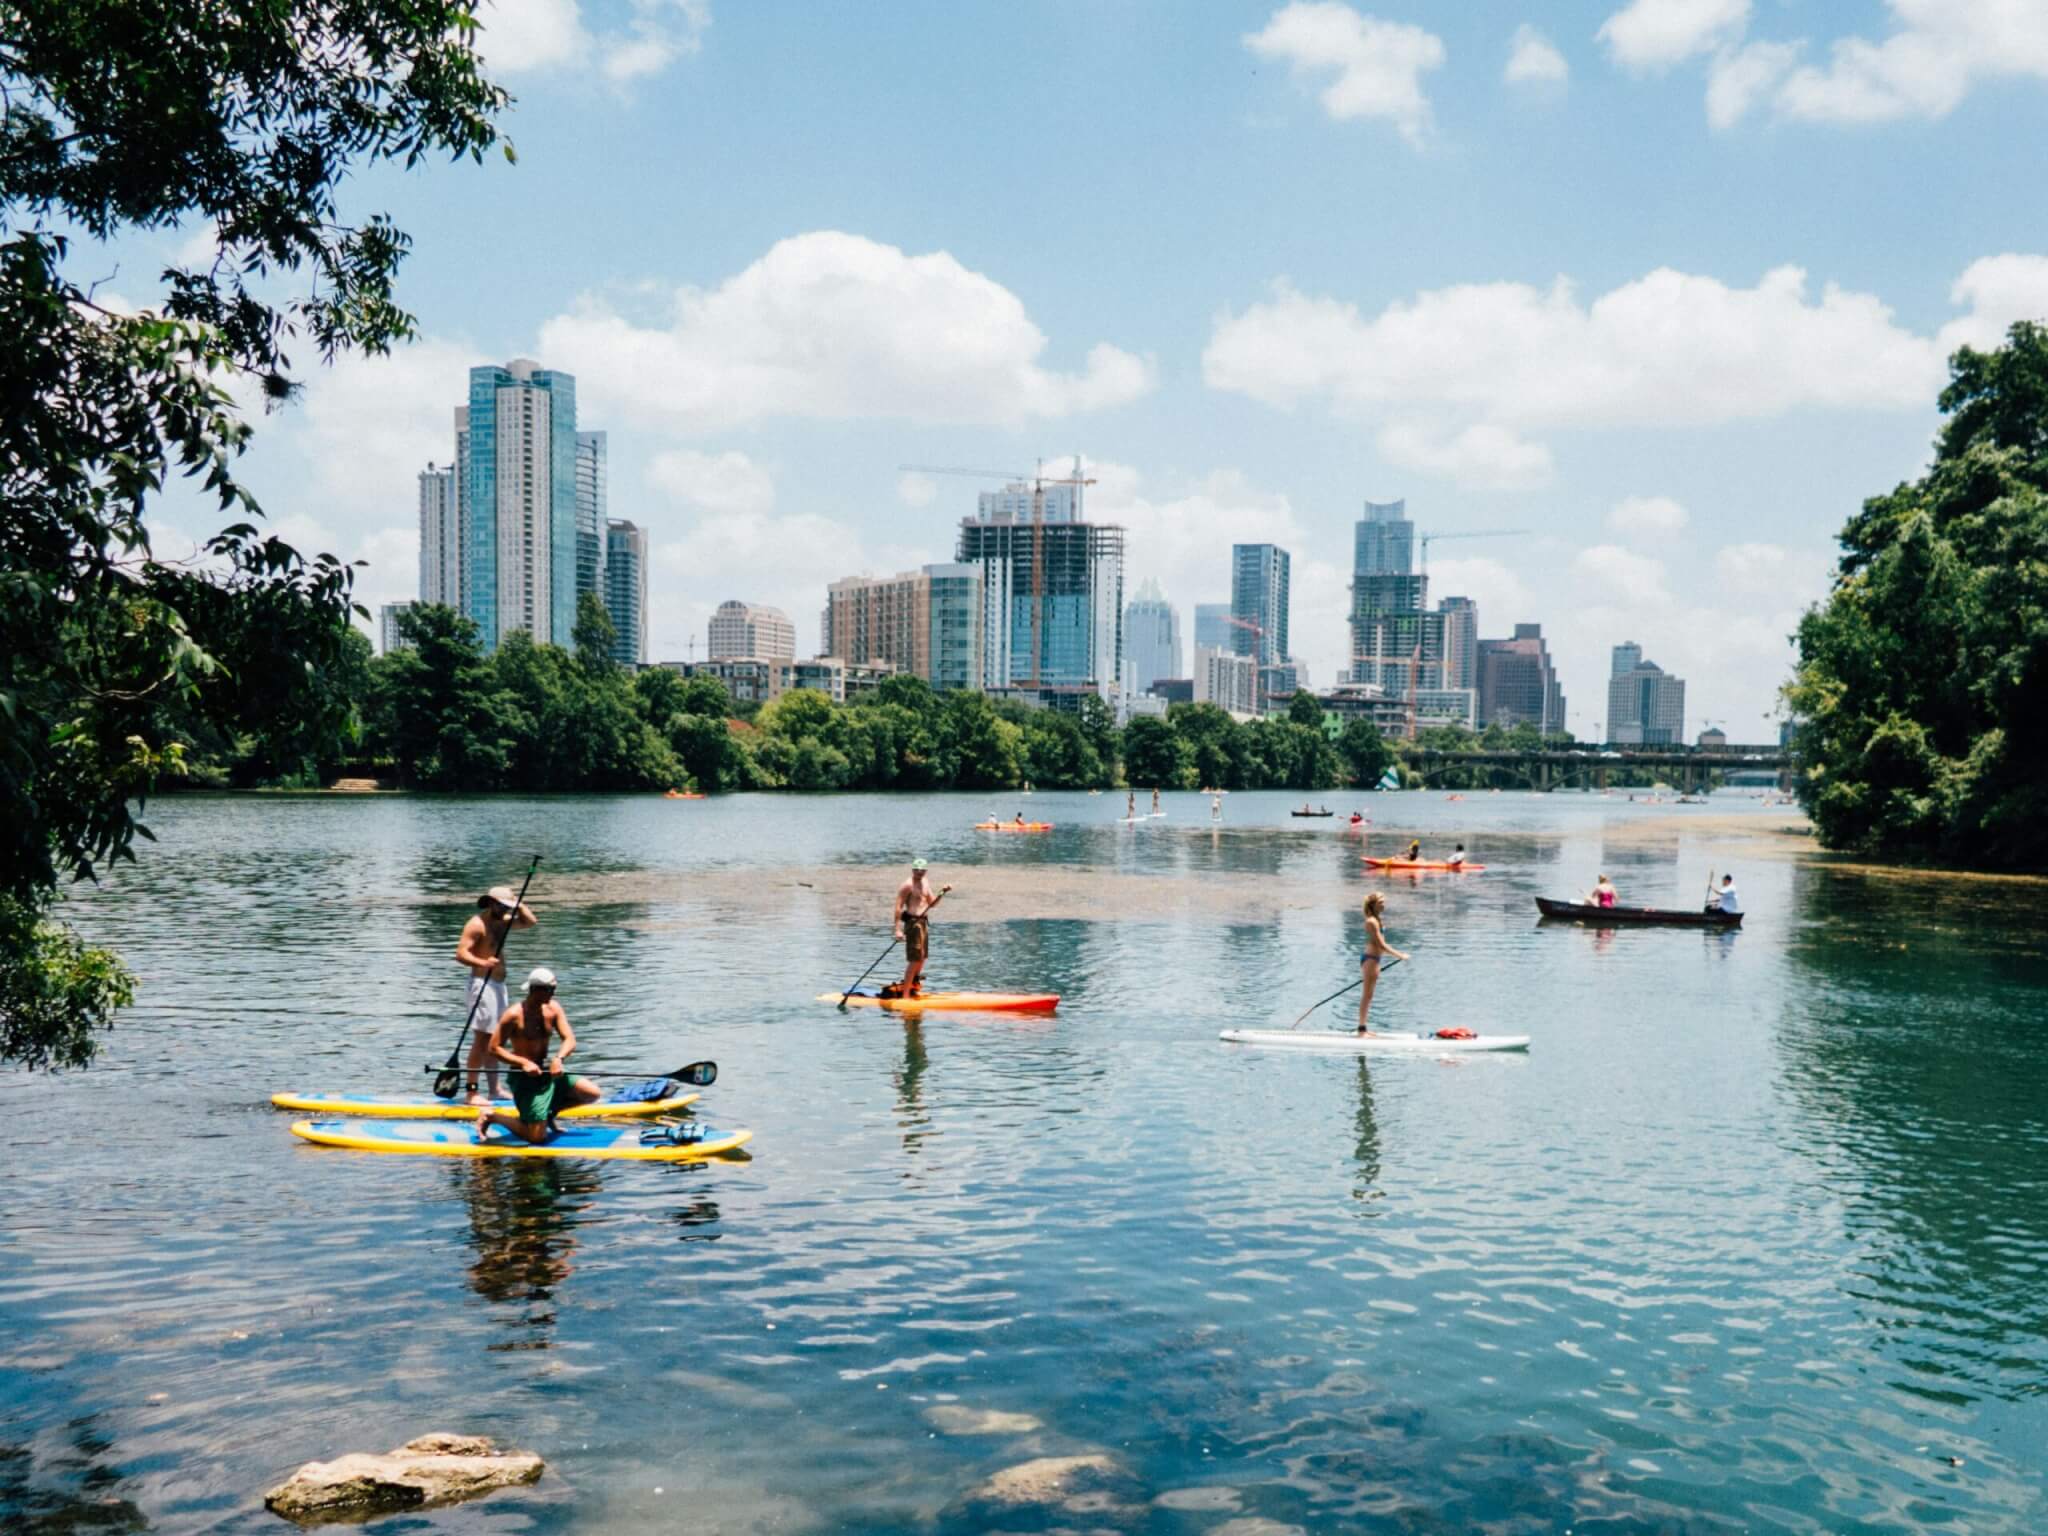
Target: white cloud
1741 77
1622 574
712 482
1534 60
1937 52
1484 455
1653 516
528 36
1999 290
1504 598
915 490
830 325
1668 348
1378 64
1656 34
368 425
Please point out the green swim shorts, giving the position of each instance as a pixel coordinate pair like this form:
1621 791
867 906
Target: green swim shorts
539 1096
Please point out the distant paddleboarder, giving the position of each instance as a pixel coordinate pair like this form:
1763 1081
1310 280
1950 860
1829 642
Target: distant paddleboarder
541 1085
1155 799
498 911
1376 949
915 899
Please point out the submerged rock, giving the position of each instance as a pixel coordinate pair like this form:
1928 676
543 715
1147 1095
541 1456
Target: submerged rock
958 1419
432 1470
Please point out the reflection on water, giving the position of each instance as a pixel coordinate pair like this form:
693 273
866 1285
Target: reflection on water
1754 1238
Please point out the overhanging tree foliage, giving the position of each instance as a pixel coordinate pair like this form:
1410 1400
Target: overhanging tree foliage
118 118
1921 683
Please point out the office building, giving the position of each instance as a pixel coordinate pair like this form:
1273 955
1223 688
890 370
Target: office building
1645 704
1517 683
1227 680
625 589
748 679
519 501
1151 638
926 623
751 629
1052 594
1213 627
1383 574
1258 601
388 637
593 515
440 538
1461 642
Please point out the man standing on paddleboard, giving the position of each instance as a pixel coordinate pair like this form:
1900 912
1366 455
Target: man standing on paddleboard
541 1085
915 899
498 911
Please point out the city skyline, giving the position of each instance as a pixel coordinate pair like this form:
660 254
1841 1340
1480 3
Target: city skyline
1639 301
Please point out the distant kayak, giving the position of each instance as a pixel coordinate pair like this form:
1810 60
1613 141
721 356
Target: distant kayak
1587 912
954 1002
1013 826
436 1139
681 794
1456 869
1349 1043
372 1106
1311 813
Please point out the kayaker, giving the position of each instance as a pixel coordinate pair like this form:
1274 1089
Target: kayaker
1725 899
1415 850
1376 949
1604 893
1457 858
541 1085
498 911
915 899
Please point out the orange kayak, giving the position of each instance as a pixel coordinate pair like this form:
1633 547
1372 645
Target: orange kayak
1013 826
681 794
954 1002
1455 869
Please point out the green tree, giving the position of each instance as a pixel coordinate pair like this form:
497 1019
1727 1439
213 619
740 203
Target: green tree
595 636
658 695
1919 680
1155 755
1366 757
1219 744
1305 709
987 751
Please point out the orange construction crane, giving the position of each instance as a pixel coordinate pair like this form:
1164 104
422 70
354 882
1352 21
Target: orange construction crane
1039 480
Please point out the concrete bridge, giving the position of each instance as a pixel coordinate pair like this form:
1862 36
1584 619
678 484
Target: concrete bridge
1688 768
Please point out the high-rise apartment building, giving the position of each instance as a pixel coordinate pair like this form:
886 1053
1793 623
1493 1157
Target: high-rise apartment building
740 629
1396 643
593 513
440 538
625 589
1461 642
388 637
1259 601
925 622
1052 593
1227 680
1645 704
1213 627
1151 638
518 446
1517 683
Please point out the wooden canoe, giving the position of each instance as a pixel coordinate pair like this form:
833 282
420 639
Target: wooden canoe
1586 912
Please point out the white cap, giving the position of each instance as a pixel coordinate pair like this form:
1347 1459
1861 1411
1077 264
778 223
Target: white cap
540 976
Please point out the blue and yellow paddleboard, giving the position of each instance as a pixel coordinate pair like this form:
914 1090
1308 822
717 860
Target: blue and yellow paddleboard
373 1106
438 1139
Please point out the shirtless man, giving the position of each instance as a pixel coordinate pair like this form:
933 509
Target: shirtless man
915 899
541 1085
483 940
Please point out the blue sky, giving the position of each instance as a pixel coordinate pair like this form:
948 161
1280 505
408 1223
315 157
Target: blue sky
1671 293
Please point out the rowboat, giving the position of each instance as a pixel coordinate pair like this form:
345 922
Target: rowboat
1586 912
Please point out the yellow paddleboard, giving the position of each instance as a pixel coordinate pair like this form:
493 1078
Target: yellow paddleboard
435 1138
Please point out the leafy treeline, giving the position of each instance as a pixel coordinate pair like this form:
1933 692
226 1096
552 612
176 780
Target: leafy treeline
241 121
441 714
1920 690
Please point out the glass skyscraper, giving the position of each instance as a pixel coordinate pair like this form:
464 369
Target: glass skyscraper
1152 637
625 589
1052 592
518 459
593 512
1259 601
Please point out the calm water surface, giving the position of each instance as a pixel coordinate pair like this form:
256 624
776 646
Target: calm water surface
1754 1238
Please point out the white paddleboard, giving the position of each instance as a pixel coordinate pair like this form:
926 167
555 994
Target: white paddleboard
1349 1042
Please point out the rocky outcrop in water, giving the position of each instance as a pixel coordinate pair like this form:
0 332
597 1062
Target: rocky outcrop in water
421 1474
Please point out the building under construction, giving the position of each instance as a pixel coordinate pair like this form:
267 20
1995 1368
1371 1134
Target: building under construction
1052 594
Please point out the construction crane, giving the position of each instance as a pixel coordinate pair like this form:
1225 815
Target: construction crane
1478 533
1039 480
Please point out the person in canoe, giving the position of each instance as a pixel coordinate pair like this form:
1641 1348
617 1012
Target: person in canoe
1604 893
1457 858
1376 949
541 1085
498 912
1725 899
915 899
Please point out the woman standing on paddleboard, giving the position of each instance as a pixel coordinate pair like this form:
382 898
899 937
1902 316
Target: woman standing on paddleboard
1376 949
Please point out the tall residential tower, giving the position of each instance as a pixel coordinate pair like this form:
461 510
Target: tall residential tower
519 501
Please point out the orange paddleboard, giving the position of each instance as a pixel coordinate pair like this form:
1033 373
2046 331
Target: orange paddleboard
954 1002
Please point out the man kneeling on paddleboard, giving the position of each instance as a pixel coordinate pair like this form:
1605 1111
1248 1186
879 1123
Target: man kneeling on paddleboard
541 1085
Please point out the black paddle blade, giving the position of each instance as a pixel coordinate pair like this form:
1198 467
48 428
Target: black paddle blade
447 1080
698 1074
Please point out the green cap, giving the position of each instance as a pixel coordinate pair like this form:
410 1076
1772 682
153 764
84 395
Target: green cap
918 864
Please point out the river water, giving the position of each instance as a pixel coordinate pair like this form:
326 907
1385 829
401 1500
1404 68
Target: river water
1754 1238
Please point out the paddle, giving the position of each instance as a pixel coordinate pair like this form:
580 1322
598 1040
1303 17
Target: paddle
1385 967
698 1074
864 975
451 1074
1711 904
